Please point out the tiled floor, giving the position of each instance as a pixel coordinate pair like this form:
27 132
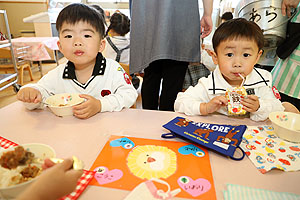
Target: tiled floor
8 95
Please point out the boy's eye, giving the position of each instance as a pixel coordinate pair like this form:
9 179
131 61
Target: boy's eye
246 55
87 36
229 54
68 36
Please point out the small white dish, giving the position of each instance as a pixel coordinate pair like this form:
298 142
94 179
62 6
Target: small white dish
61 104
286 125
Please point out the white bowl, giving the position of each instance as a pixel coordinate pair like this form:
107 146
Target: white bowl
61 104
286 125
41 151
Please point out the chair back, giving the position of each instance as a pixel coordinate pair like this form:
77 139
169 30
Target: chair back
5 53
6 59
21 59
22 55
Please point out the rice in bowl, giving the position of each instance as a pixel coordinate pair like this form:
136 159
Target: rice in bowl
19 166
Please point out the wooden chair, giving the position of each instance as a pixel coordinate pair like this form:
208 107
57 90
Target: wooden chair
21 62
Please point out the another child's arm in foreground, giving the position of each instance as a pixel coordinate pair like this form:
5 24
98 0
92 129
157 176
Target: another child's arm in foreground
54 183
195 101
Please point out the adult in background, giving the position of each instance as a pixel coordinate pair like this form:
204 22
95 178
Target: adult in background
286 72
165 37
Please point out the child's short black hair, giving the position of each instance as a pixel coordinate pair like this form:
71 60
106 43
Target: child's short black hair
100 10
120 23
77 12
238 28
227 16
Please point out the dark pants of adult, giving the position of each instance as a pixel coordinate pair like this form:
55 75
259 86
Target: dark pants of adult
292 100
172 74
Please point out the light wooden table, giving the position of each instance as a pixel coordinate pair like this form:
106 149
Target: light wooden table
85 139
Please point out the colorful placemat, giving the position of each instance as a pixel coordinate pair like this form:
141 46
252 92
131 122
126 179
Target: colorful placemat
267 151
82 183
239 192
126 162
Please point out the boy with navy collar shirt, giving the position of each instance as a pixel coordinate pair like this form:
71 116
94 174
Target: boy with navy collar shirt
237 47
102 82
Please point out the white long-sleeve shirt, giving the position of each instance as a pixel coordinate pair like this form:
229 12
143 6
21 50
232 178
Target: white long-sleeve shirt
109 83
259 80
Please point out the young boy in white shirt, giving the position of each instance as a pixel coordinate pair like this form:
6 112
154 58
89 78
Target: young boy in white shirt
102 82
237 47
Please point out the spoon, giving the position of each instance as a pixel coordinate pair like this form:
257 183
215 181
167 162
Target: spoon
43 102
50 94
77 164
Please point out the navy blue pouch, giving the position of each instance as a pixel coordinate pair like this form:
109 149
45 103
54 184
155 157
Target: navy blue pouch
224 139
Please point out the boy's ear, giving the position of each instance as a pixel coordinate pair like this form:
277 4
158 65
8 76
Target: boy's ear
214 57
102 45
258 55
59 45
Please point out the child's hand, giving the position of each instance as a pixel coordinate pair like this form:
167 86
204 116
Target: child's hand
213 105
29 95
251 103
47 164
55 182
88 108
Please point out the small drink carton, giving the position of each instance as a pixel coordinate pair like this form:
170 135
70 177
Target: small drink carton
234 97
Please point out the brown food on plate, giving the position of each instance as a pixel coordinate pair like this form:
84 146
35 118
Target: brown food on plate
30 171
12 159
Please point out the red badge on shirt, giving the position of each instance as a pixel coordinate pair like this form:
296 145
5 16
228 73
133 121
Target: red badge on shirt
276 93
105 92
127 79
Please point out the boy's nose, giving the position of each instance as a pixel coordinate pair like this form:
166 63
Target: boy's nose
237 63
78 44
